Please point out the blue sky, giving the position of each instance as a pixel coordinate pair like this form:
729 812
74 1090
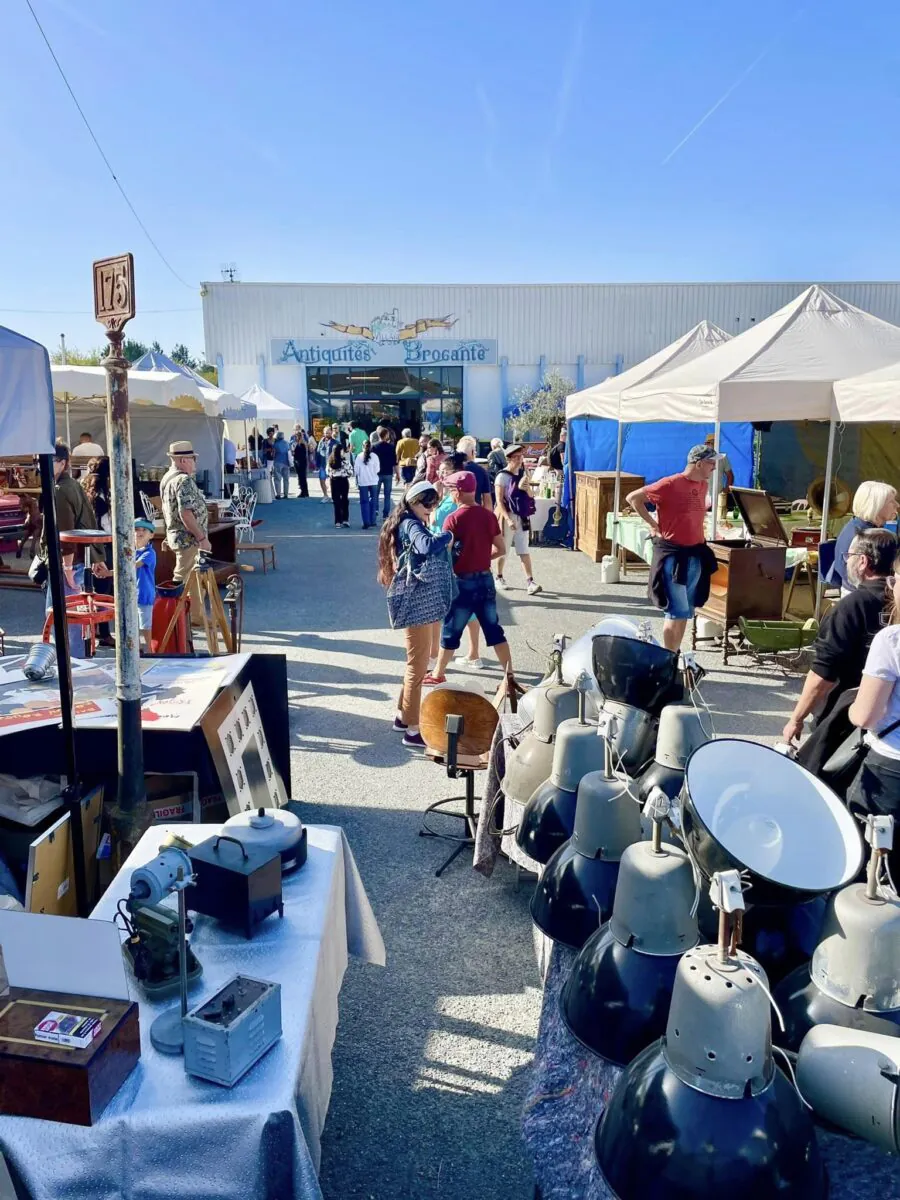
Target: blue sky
422 142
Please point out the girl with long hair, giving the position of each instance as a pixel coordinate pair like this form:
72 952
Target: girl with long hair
340 468
366 468
98 489
406 539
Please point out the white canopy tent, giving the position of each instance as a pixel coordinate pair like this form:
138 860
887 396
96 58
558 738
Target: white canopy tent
873 396
165 406
782 369
603 399
269 409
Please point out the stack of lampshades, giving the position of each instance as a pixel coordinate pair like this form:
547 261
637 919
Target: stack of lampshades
698 878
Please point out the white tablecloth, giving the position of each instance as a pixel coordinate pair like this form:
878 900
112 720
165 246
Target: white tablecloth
166 1134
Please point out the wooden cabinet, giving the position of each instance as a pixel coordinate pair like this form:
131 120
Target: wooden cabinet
594 495
749 582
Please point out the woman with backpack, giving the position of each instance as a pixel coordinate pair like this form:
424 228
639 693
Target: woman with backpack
514 507
413 564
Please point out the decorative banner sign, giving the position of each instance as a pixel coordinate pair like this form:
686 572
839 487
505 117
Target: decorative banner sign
424 352
385 341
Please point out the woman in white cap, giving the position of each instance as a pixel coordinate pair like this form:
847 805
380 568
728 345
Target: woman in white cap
406 540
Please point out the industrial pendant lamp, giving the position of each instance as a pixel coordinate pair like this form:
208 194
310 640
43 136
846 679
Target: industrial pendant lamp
854 977
705 1111
680 733
636 672
548 820
575 891
616 999
529 764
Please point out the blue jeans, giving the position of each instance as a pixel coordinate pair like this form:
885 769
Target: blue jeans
384 481
407 474
368 497
477 597
680 596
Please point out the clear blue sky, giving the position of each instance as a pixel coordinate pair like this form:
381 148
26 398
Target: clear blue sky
469 141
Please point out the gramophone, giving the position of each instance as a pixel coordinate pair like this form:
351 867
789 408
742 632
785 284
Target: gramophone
548 820
616 999
854 977
575 891
705 1110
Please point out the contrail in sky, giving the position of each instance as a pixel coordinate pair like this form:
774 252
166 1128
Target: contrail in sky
733 87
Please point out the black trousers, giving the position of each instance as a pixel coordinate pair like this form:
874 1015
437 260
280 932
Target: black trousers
340 498
300 468
876 789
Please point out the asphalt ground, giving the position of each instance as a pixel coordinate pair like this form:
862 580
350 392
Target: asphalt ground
432 1052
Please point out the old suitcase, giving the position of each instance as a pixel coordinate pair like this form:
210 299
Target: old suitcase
64 1083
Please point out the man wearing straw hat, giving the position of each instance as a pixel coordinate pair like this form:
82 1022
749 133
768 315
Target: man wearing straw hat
185 516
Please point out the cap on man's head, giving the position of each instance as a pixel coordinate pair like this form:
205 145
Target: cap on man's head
515 448
702 453
181 450
462 481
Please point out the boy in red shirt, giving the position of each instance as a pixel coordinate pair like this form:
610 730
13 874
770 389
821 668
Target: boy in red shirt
477 540
682 562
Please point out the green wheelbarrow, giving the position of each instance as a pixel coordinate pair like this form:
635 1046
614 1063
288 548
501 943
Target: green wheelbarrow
779 642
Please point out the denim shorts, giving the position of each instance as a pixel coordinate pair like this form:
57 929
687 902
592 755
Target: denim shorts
680 596
477 597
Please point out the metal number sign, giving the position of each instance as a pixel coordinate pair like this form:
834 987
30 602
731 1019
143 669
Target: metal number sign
114 290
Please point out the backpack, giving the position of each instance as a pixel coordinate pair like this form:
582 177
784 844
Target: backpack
519 502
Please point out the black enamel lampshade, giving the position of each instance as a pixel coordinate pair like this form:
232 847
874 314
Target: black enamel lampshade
630 671
573 896
547 822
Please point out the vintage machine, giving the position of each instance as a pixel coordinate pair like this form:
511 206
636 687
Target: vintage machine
271 829
236 884
749 581
154 942
225 1035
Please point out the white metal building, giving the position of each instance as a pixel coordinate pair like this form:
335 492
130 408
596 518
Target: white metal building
449 357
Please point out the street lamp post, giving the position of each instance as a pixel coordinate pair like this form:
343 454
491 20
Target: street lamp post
113 307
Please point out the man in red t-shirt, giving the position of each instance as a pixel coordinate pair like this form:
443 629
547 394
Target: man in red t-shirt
476 541
679 542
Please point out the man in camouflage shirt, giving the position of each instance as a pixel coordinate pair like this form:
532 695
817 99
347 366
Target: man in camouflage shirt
185 516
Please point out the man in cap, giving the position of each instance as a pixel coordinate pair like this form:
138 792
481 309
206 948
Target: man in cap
476 541
185 516
512 496
682 562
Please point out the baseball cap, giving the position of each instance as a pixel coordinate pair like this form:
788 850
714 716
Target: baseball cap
463 481
143 523
702 453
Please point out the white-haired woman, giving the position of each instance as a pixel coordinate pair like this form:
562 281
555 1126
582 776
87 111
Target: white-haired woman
874 504
496 460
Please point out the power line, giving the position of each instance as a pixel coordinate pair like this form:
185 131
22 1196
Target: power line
101 152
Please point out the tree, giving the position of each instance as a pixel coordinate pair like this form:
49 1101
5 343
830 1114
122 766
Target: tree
78 358
540 411
156 348
133 350
183 356
208 371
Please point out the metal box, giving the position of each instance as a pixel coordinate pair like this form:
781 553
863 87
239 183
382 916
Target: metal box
236 884
225 1035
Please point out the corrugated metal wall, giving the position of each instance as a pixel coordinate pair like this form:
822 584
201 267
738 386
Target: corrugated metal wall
561 321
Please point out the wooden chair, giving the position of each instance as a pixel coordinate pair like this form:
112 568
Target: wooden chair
266 550
457 726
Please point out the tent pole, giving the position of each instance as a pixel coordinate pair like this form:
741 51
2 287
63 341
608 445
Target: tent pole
247 449
823 536
617 493
56 583
717 474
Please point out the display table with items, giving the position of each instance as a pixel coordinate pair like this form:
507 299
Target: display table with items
222 719
166 1132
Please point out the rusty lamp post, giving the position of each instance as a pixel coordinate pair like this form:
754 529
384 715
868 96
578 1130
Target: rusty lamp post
113 307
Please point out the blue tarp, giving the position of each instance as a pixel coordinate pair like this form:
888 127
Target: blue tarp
652 448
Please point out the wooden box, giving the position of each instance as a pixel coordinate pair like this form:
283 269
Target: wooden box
749 582
63 1083
594 496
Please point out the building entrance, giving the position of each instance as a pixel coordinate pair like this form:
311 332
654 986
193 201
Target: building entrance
423 399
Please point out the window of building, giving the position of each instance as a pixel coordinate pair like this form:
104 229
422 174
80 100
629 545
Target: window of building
427 399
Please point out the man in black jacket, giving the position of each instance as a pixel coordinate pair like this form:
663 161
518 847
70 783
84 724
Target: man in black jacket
840 650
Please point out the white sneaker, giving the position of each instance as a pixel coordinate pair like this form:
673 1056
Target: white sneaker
325 500
501 583
472 664
533 588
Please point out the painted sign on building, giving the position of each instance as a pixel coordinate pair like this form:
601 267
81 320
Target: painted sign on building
387 342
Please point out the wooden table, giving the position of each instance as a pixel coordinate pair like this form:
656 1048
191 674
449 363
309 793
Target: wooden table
224 550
